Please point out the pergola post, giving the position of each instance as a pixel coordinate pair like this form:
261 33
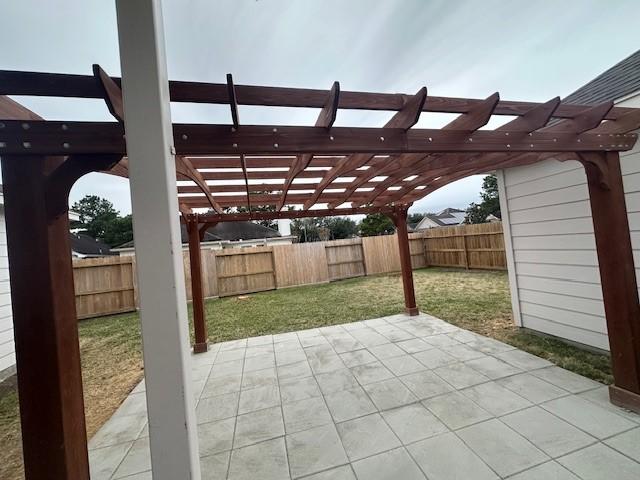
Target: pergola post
400 220
163 309
197 294
45 326
617 274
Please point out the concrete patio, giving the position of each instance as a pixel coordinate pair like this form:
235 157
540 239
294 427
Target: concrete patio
396 397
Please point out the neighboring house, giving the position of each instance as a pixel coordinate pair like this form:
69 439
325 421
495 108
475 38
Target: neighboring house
227 235
551 254
445 218
85 246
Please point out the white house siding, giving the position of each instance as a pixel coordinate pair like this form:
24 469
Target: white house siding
7 349
555 282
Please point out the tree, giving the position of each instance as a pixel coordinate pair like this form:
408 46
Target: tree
314 229
376 224
100 220
490 204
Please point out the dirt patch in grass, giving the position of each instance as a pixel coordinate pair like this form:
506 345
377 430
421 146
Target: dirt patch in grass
476 300
111 367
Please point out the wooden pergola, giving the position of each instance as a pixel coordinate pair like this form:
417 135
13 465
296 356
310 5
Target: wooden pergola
321 170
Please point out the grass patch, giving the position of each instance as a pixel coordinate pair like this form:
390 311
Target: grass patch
476 300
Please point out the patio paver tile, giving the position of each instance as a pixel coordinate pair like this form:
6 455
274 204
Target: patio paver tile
460 375
214 467
434 358
371 372
389 394
305 414
587 416
403 365
315 450
425 384
357 357
546 471
463 352
627 443
339 473
259 378
218 407
532 388
393 464
294 389
258 426
366 436
553 436
349 404
119 429
456 410
441 340
137 460
493 368
413 422
446 457
259 362
601 462
222 385
104 461
386 350
523 360
258 398
501 448
265 460
336 381
414 345
565 379
496 399
294 370
216 437
286 357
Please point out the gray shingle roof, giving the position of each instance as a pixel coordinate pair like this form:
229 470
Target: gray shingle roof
619 81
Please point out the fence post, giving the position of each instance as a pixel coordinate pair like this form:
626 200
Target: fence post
466 251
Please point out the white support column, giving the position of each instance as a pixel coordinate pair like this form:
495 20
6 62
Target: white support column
165 335
508 248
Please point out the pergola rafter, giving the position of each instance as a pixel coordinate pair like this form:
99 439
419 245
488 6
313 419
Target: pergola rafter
223 167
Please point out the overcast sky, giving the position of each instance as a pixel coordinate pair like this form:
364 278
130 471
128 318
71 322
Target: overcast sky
526 50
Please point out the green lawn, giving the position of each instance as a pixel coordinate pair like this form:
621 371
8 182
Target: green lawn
478 301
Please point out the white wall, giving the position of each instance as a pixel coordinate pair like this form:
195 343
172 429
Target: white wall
7 349
554 278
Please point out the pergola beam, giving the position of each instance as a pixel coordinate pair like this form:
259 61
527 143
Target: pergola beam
84 86
404 119
326 118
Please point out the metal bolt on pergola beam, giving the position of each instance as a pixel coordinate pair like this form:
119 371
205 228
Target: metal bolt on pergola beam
322 169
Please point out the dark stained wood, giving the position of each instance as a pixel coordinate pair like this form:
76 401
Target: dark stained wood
112 92
477 117
626 123
45 326
84 86
326 118
233 101
243 164
11 109
400 220
185 170
197 292
589 119
617 274
198 139
212 218
404 119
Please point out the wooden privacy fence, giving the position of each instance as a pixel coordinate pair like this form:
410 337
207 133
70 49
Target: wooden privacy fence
107 285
